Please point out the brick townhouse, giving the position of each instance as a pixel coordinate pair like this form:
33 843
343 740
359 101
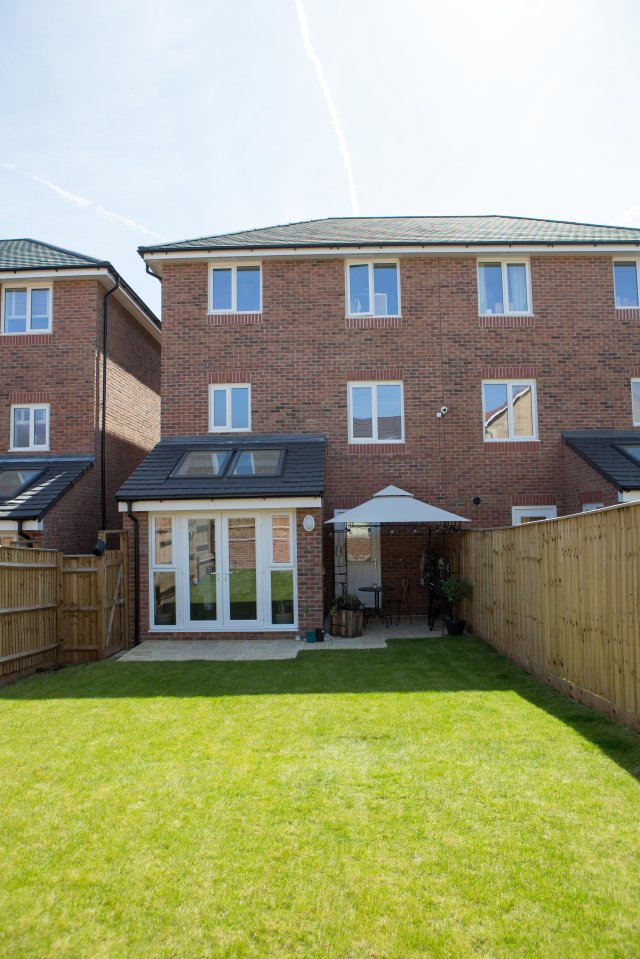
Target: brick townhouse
486 365
72 428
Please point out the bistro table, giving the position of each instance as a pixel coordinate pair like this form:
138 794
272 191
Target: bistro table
376 590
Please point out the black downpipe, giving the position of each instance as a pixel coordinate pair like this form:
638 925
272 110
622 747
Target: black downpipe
23 535
151 273
103 436
136 575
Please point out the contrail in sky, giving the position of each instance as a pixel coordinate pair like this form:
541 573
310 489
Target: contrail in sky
305 30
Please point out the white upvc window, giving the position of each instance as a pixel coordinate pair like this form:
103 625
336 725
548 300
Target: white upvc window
530 514
635 401
373 288
30 426
590 507
509 410
230 408
625 282
504 287
26 309
376 412
235 288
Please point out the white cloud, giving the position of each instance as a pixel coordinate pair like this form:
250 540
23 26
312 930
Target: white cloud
305 30
126 221
78 200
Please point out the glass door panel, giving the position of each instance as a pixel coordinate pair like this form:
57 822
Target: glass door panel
203 597
243 585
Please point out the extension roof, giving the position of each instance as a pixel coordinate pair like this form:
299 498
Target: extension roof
408 231
601 450
302 470
56 476
34 255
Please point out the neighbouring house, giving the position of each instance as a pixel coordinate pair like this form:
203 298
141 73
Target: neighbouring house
465 359
72 427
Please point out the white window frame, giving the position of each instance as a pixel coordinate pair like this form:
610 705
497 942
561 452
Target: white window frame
625 259
635 419
591 507
525 381
29 287
233 266
373 384
380 261
505 262
227 387
31 407
540 512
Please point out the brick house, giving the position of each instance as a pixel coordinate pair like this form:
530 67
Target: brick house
71 428
465 359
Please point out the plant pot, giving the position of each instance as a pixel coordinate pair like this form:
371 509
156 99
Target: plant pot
310 635
283 618
455 627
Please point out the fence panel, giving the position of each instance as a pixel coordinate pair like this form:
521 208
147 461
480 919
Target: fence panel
561 597
30 588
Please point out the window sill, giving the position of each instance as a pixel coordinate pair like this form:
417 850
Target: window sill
506 321
512 446
14 339
394 448
29 449
234 319
359 322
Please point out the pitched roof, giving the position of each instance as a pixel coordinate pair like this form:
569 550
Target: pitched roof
601 450
409 230
56 476
34 255
302 470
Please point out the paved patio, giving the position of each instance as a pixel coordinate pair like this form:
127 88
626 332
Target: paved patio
375 637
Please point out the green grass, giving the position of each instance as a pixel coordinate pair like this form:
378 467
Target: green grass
429 800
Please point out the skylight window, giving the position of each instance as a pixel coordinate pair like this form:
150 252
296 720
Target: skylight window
13 481
202 463
258 463
633 452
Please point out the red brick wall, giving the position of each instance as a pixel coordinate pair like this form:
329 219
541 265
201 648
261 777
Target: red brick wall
583 484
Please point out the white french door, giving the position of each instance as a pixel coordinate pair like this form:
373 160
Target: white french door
357 557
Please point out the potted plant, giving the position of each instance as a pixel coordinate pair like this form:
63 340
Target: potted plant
346 616
283 611
455 590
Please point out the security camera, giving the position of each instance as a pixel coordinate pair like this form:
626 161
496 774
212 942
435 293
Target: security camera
444 410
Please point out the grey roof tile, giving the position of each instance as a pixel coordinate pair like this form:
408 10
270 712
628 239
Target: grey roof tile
58 474
600 449
407 230
302 472
28 254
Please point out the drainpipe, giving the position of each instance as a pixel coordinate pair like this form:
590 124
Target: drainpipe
136 575
151 273
103 434
23 535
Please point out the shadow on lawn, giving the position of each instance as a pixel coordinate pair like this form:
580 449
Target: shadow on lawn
443 664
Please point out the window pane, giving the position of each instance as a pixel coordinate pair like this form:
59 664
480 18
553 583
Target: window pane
361 412
635 401
517 284
202 569
633 452
389 412
40 428
281 539
626 284
496 410
243 596
164 599
282 596
15 311
522 399
258 463
491 288
164 541
202 463
219 409
385 288
21 421
239 408
40 309
221 295
13 480
248 289
359 288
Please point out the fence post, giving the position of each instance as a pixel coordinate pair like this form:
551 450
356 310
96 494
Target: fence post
101 573
124 550
60 607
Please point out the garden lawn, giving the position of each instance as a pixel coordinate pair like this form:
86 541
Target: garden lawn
429 800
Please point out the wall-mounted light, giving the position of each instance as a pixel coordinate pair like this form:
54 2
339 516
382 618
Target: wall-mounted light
476 501
308 523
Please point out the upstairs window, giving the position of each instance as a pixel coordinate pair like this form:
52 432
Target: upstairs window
30 427
635 402
625 280
373 289
230 408
509 410
504 287
26 309
376 413
236 289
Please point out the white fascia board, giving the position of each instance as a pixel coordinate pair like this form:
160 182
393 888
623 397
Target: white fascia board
629 496
508 249
29 525
201 505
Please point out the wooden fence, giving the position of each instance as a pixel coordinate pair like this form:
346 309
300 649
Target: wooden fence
57 610
562 598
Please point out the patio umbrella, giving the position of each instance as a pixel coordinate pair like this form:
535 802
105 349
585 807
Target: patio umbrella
393 505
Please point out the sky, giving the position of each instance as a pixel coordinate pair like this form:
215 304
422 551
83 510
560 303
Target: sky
128 123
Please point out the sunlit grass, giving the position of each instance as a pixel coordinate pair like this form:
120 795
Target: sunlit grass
428 800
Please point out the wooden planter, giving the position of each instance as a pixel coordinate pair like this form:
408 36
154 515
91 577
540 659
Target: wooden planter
347 623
